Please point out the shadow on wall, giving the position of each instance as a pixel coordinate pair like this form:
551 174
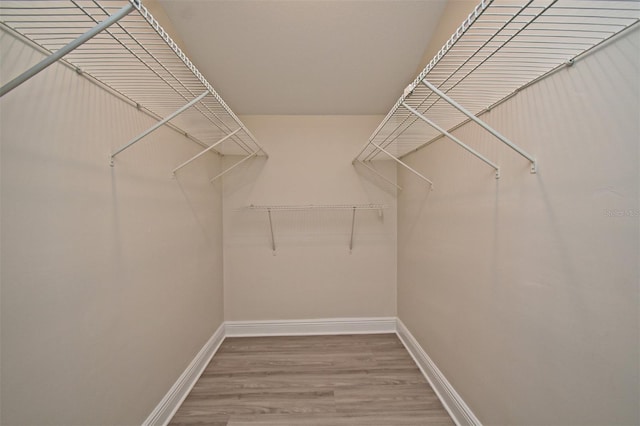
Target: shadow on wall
415 206
199 214
526 289
244 177
378 177
101 266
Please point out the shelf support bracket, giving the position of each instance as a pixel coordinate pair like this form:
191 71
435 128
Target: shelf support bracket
273 241
482 124
353 223
453 138
253 154
380 175
159 124
205 151
49 60
402 163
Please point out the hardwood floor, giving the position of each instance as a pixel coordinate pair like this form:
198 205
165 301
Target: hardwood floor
312 380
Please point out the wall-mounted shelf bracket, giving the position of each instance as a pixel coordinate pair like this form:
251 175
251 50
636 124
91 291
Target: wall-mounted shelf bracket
402 163
353 225
248 157
453 138
54 57
205 151
273 241
481 123
159 124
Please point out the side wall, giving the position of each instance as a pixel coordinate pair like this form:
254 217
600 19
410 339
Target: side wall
312 274
524 290
111 277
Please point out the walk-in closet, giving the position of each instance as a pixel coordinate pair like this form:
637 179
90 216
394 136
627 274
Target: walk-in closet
312 212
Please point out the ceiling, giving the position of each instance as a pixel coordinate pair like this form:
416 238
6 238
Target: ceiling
317 57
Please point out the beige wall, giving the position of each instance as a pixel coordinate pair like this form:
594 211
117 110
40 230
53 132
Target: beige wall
312 274
111 277
454 13
524 290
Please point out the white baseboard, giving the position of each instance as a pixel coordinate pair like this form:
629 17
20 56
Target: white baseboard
452 401
311 327
168 406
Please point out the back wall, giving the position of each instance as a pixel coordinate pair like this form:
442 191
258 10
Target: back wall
311 274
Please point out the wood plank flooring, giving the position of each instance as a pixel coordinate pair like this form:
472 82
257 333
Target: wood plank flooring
312 380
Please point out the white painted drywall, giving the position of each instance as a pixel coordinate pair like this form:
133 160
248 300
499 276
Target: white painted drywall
524 290
453 14
312 274
111 277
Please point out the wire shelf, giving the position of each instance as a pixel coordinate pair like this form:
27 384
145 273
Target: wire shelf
318 207
135 58
503 46
352 208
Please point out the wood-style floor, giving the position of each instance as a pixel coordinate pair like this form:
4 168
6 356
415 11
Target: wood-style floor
312 380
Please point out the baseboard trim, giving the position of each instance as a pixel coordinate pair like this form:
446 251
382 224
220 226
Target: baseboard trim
311 327
452 401
168 406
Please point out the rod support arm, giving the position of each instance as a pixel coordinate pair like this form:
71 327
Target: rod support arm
201 153
402 163
159 124
248 157
481 123
453 138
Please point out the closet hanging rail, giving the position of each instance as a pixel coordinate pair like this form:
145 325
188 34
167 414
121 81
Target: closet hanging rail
133 56
502 47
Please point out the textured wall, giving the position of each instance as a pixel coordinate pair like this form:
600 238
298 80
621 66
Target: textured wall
111 277
524 290
312 274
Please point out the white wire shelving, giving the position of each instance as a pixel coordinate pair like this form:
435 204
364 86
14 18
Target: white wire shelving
353 208
121 46
502 47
